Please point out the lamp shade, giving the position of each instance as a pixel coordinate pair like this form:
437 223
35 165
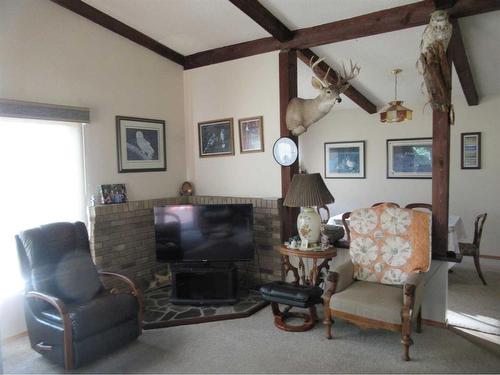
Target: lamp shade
308 190
395 112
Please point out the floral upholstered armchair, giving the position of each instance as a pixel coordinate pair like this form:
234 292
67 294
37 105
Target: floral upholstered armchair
382 284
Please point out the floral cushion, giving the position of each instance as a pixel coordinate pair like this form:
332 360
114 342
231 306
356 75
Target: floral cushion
388 243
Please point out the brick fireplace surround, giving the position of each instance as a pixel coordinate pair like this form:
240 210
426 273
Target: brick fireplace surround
122 237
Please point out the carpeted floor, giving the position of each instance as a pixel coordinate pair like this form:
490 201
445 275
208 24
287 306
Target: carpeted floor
254 345
470 303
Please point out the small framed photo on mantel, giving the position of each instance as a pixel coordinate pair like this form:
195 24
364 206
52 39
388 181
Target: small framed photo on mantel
112 193
471 150
251 134
141 144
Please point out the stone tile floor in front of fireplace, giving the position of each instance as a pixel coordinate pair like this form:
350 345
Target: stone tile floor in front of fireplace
160 312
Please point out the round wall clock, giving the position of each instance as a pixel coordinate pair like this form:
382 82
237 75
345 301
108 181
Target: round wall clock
285 151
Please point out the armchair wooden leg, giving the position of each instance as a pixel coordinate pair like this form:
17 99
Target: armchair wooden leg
406 340
406 334
419 321
328 321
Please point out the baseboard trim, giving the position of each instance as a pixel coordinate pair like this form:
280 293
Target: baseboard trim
434 323
10 338
496 257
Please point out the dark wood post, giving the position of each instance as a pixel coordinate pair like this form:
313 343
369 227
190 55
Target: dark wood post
440 179
288 90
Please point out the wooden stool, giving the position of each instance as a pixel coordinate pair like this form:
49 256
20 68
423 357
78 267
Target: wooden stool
293 296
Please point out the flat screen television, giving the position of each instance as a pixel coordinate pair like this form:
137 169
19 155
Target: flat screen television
202 233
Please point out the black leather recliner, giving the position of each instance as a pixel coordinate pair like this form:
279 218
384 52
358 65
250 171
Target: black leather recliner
71 318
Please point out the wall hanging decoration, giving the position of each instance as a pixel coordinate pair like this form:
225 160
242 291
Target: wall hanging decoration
141 144
409 158
285 151
302 113
345 159
112 193
471 150
215 138
251 134
433 63
395 111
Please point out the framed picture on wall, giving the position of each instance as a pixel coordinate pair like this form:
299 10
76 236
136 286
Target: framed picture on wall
409 158
215 138
471 150
141 144
251 134
345 159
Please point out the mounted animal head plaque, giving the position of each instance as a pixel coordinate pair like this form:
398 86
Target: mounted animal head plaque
302 113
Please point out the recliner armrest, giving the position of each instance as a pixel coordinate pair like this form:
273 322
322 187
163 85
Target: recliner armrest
338 279
54 301
68 330
135 290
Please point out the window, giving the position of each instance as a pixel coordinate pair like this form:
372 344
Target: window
42 181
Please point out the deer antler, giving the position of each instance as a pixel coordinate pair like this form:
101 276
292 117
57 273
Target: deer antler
354 71
312 65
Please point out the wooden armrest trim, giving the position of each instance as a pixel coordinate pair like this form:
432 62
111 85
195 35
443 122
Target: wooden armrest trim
330 287
68 329
54 301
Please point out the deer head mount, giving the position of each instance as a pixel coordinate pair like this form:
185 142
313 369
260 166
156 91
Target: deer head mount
302 113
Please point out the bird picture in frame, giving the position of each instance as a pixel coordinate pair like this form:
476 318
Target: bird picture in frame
141 144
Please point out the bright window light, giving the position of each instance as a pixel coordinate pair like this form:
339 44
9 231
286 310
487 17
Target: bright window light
42 182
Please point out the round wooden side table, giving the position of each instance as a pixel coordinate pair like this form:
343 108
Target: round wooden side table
301 276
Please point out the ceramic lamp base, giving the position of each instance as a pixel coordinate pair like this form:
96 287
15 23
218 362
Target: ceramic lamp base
308 225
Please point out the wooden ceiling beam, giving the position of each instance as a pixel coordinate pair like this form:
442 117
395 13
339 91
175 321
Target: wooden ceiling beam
462 67
257 12
271 24
110 23
393 19
443 4
306 54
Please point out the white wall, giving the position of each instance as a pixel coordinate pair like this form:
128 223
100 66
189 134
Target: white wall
51 55
238 89
471 191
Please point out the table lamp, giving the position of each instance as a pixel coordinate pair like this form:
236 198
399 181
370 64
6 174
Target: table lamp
308 191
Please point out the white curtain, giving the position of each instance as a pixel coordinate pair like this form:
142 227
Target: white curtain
42 181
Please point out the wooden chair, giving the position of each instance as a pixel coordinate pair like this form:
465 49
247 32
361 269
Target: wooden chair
389 203
324 213
373 304
472 249
426 206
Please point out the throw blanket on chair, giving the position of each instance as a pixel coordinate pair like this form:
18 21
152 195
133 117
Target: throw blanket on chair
387 243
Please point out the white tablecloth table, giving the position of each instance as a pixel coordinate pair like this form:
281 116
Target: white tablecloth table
456 232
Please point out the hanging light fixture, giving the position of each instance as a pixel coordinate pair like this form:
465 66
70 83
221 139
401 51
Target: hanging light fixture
395 111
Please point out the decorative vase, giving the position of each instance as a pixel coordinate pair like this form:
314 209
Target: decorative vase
308 225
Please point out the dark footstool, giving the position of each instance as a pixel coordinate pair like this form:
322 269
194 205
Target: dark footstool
293 296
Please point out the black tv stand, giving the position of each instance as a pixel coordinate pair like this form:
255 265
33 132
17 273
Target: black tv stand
204 283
